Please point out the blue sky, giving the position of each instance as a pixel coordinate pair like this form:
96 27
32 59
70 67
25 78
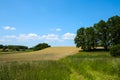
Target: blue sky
29 22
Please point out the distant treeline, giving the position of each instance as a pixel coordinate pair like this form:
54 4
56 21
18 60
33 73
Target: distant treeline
103 33
5 48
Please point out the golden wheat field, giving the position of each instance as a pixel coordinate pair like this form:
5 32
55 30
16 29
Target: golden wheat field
53 53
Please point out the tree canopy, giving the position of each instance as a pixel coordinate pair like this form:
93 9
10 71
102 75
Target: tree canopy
41 46
103 33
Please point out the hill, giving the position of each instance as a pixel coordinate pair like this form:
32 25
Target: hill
53 53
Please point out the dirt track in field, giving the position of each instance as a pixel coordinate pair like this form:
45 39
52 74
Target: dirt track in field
53 53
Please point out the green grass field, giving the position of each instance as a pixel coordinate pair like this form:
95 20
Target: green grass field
81 66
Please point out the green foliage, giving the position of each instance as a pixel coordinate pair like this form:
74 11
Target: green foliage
114 29
80 38
20 48
17 47
89 38
115 50
14 48
102 34
41 46
1 46
85 38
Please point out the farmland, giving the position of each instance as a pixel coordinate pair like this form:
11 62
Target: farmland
59 63
53 53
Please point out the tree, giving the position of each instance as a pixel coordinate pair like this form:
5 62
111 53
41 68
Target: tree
114 28
17 47
90 40
80 38
41 46
23 48
102 33
1 46
85 38
105 34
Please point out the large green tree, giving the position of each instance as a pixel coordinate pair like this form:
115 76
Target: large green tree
41 46
102 34
105 34
114 28
80 38
90 40
85 38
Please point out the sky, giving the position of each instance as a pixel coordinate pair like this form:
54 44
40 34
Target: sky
29 22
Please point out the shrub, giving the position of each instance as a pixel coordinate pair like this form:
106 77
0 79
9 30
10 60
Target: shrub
115 50
41 46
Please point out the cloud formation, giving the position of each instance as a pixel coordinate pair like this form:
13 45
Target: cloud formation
10 36
68 36
50 37
33 38
30 36
9 28
58 29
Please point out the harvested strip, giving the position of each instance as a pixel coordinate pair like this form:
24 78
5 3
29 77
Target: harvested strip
53 53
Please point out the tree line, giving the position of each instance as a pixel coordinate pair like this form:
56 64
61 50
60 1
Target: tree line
104 34
6 48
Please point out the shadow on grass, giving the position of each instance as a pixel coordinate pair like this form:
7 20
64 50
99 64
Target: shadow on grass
94 50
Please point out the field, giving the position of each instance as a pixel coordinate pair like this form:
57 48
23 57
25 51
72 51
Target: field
53 53
98 65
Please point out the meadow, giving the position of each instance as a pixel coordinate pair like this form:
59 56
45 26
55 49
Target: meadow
98 65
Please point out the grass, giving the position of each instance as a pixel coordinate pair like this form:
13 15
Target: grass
41 70
94 66
81 66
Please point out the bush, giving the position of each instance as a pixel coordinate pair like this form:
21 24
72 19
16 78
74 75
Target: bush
41 46
115 50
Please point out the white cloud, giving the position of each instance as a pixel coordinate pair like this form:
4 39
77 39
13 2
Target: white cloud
10 36
9 28
33 38
68 36
50 37
30 36
58 29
